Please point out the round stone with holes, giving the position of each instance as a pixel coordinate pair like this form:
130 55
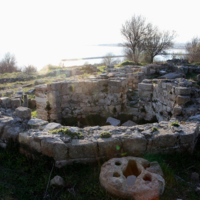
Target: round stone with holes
132 178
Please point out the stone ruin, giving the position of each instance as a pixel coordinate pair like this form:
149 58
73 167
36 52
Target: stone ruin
135 94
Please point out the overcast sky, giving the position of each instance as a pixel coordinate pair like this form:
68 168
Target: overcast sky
41 28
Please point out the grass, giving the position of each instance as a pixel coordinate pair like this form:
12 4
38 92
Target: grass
34 113
154 129
105 134
22 178
102 68
66 131
175 124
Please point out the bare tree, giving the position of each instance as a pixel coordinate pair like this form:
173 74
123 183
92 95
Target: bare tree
29 69
8 64
193 49
143 38
134 32
157 42
109 60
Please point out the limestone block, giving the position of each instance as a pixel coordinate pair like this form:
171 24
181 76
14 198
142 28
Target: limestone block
113 121
23 112
82 149
189 135
5 101
36 123
109 147
181 100
162 139
134 144
182 91
4 121
11 132
54 147
129 123
57 181
15 103
40 100
54 86
177 110
145 86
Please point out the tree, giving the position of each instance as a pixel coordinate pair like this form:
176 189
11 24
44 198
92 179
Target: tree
8 64
193 49
157 42
143 38
109 60
29 69
134 32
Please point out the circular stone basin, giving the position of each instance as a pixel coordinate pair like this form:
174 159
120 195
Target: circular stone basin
132 177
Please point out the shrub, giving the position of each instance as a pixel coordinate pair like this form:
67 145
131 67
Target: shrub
127 62
34 114
106 134
175 124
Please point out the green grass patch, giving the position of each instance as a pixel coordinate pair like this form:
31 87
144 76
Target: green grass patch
102 68
154 129
34 114
175 124
105 134
66 131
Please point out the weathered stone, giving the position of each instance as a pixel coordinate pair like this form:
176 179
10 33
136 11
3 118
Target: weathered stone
15 103
134 144
195 177
54 147
82 149
145 86
177 110
11 132
109 147
181 100
155 168
129 123
113 121
23 112
52 126
57 181
127 178
5 101
36 123
182 91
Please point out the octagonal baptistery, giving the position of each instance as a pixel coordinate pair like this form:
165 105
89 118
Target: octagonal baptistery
132 178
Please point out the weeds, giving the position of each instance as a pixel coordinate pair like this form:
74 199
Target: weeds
175 124
105 134
66 131
154 129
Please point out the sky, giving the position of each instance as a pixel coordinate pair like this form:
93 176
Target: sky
41 32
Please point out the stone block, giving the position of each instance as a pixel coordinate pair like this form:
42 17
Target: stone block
109 147
23 112
182 91
113 121
181 100
11 132
134 144
162 140
36 123
82 149
15 103
5 101
54 147
145 86
177 110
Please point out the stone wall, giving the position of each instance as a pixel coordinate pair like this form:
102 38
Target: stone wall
166 98
80 98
